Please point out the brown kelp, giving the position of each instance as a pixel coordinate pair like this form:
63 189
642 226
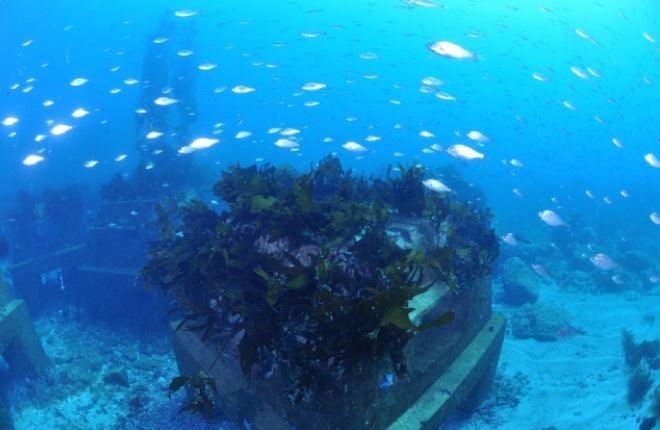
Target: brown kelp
303 272
201 389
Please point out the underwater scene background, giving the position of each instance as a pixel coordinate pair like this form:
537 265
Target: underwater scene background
536 119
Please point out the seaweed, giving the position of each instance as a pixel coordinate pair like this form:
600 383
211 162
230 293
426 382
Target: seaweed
201 388
639 383
404 193
300 271
635 352
472 241
639 358
649 423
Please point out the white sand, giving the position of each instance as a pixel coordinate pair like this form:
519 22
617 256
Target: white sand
580 382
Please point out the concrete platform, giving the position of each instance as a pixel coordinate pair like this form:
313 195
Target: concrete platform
19 342
435 390
448 368
466 380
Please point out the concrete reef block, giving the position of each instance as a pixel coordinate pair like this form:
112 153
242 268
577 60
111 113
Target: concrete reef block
463 355
474 366
19 343
238 399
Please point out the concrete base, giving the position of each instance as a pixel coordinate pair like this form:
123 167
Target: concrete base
19 343
467 379
463 381
357 401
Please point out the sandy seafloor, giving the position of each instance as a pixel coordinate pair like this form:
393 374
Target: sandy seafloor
574 383
578 382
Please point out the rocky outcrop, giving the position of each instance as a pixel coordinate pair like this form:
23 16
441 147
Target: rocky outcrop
519 283
542 322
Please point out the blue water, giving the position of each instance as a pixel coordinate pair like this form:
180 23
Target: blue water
372 57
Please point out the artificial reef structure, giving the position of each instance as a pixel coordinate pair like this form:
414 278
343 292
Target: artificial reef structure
61 241
329 300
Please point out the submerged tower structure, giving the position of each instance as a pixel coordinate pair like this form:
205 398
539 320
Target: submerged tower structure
167 107
119 232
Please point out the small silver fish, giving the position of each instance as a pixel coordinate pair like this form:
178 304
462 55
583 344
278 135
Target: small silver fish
541 270
551 218
436 186
510 239
603 262
451 50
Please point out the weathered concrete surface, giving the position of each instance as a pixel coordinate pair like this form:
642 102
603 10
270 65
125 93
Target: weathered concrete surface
237 397
19 343
477 361
357 402
361 405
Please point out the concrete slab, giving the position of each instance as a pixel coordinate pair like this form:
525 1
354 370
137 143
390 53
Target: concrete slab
458 382
465 361
19 342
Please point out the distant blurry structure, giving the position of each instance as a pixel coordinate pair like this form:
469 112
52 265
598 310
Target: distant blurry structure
166 74
47 236
64 253
42 223
4 247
